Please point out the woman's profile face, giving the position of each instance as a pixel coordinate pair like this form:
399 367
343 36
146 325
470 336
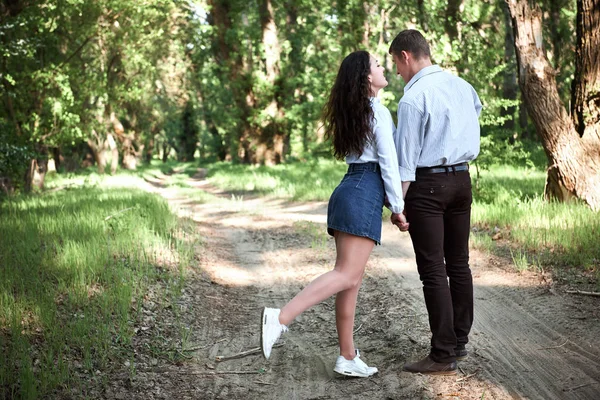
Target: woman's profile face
376 76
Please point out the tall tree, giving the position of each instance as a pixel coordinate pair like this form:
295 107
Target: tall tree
270 149
585 101
572 145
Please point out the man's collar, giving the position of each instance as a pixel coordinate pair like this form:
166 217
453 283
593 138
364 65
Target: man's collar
432 69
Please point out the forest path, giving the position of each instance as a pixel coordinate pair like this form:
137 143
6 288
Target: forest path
529 340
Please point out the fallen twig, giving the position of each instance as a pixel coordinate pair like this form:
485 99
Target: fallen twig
179 372
358 329
255 350
264 383
596 294
580 386
554 347
415 341
184 355
221 373
204 346
464 378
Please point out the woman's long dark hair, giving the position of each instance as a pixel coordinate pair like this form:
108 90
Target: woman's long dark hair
348 114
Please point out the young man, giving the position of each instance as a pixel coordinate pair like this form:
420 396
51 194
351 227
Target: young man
436 137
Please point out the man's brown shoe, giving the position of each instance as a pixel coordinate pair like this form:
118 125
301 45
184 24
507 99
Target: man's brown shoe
429 367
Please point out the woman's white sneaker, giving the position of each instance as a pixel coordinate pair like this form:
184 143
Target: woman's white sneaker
355 367
271 330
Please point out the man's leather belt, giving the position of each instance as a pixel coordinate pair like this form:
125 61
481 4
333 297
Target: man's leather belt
443 168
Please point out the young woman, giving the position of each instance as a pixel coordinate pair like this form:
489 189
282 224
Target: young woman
362 131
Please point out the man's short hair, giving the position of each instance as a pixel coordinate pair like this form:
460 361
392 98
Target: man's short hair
412 41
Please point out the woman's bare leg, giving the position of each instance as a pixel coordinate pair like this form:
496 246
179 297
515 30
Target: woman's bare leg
352 255
345 310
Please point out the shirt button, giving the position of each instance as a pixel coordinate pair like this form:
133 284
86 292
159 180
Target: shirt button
431 190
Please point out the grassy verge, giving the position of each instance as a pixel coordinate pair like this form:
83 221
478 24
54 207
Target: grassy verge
511 214
76 266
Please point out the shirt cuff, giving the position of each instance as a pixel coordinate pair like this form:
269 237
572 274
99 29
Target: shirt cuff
396 210
407 175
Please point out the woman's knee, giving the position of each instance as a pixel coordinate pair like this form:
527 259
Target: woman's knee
350 280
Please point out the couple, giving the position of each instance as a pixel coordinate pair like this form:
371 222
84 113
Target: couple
424 160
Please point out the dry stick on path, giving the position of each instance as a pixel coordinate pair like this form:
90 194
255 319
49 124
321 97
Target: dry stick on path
580 386
554 347
357 329
584 293
264 383
204 346
464 378
218 373
255 350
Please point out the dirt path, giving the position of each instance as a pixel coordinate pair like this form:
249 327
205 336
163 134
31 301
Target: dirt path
530 340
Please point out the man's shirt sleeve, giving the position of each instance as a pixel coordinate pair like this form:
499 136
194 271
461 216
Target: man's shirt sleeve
410 134
388 160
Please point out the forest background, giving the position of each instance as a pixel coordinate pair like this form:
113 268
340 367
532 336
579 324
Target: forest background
120 82
145 88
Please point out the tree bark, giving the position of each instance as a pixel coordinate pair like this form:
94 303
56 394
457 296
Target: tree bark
574 163
422 15
230 55
585 101
36 170
98 147
451 23
270 150
510 87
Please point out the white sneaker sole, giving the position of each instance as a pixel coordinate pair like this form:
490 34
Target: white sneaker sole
262 334
352 373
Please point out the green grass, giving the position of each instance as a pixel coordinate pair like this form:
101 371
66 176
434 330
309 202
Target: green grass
311 180
561 234
76 264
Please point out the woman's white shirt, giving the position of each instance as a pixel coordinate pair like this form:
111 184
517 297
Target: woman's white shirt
383 151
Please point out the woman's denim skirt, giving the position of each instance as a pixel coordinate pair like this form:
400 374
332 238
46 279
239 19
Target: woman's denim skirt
356 204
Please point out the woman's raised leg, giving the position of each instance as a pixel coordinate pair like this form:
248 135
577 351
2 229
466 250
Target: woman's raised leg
352 255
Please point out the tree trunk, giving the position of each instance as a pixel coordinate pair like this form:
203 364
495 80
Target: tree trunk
230 55
98 147
149 149
270 149
165 152
451 22
422 15
574 169
585 101
114 151
57 157
509 87
36 170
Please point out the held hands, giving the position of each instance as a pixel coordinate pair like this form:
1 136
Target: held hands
400 221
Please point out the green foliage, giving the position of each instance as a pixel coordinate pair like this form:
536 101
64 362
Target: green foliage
14 157
174 70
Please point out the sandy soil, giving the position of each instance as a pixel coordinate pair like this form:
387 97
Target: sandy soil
530 340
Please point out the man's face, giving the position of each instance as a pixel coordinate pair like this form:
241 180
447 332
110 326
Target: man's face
401 66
